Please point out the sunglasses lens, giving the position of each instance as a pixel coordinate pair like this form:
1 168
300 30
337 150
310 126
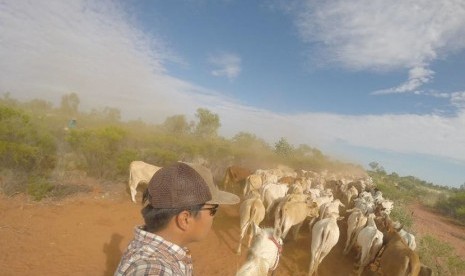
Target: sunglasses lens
213 211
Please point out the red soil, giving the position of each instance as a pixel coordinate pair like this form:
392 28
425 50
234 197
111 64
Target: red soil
86 235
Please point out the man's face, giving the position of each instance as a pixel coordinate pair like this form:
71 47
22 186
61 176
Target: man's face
203 222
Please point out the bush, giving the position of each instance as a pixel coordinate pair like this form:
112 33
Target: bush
13 182
38 188
125 158
402 214
27 154
100 148
23 145
453 206
440 257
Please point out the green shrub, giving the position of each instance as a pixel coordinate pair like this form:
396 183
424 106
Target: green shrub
23 145
13 182
440 257
402 214
100 148
453 205
124 158
38 188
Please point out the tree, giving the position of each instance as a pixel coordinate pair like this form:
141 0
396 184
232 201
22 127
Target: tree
283 148
248 140
70 104
177 125
112 114
208 123
376 167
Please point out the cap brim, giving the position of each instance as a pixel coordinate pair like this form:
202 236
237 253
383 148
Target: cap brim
218 196
221 197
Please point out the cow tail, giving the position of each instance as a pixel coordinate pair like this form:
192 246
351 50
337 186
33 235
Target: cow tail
253 213
130 176
250 221
372 253
281 221
324 240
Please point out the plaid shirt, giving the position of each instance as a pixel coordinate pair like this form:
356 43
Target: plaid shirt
150 254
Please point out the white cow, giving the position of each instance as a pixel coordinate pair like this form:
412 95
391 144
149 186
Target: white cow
140 171
355 223
271 193
370 240
325 234
406 236
329 208
252 212
264 254
385 207
365 204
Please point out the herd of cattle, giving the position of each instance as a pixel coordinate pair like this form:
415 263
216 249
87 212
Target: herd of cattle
286 198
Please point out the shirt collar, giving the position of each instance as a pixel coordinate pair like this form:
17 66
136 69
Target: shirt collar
180 253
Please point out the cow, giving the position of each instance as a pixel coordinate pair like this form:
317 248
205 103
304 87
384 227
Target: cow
252 182
252 212
235 175
356 221
292 213
289 180
370 241
329 208
264 253
397 258
406 236
139 172
325 234
271 193
350 193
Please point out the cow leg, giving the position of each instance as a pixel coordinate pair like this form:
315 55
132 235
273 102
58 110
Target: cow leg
310 224
296 230
133 191
243 231
348 242
285 228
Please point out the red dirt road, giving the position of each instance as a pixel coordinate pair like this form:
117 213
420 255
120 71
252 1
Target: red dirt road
86 235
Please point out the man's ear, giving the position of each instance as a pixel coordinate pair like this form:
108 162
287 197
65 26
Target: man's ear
183 220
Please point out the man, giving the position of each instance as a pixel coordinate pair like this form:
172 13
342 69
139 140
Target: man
182 201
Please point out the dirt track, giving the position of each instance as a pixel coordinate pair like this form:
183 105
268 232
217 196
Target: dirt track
86 234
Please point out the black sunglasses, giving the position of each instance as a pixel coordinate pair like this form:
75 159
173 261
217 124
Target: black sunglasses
212 210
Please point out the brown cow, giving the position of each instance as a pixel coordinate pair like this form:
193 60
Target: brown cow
397 258
234 175
289 180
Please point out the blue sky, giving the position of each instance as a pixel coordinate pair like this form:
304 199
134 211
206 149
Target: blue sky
361 80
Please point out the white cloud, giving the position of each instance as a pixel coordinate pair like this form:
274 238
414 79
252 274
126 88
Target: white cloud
382 35
457 99
227 65
49 50
417 77
87 47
